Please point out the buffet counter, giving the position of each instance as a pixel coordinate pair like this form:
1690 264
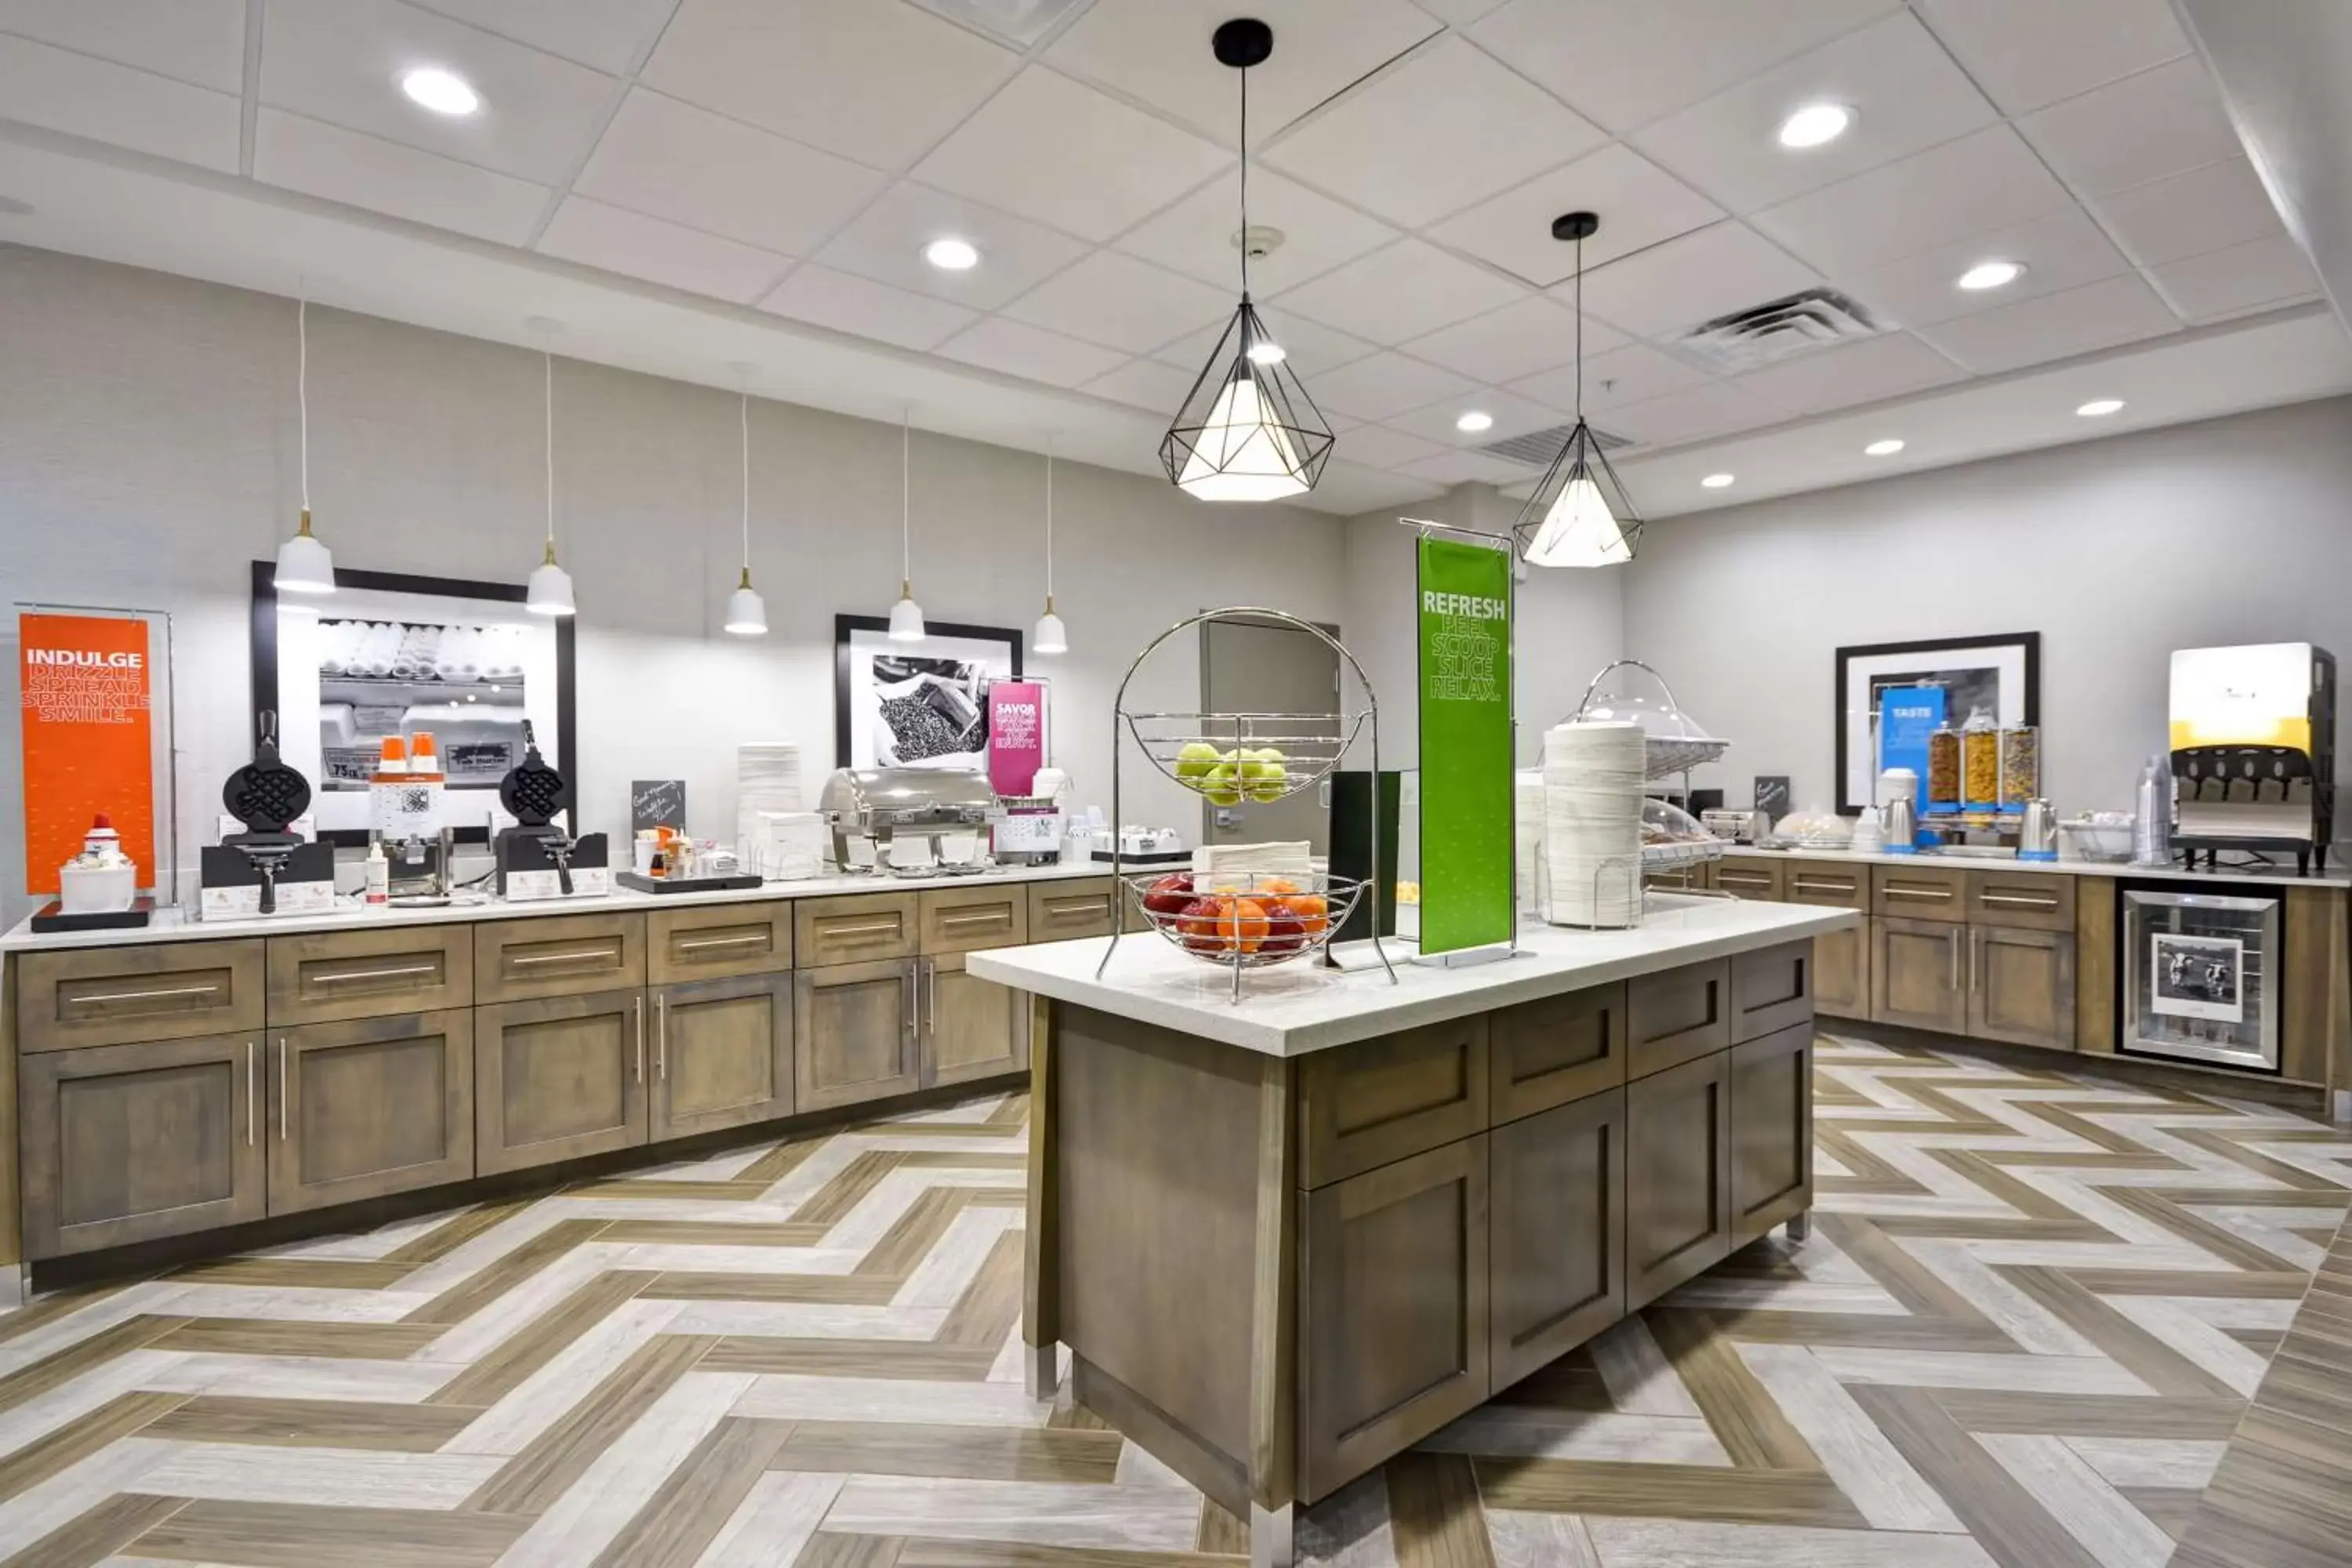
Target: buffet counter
187 1077
1286 1236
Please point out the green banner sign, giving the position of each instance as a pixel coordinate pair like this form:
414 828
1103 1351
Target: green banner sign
1464 596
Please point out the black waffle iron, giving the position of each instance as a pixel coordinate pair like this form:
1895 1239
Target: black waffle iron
266 795
534 792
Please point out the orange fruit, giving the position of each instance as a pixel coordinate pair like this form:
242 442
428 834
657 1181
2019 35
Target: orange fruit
1243 924
1277 886
1311 911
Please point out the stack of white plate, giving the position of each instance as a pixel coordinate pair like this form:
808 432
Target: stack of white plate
1527 816
767 782
1593 824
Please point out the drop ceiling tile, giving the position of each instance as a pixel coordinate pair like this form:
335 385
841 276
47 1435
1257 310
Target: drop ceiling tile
1988 181
1672 287
1312 349
2163 121
618 240
606 34
816 71
2095 316
2029 53
1356 490
1513 415
2062 250
1159 54
1383 448
1196 235
1458 13
1018 349
1404 292
1051 149
1121 303
1639 205
1433 134
848 303
1145 384
1525 338
1717 408
340 61
1904 91
61 91
1634 374
2249 276
197 41
673 161
2211 208
885 242
1467 467
1626 64
1385 385
1851 373
368 171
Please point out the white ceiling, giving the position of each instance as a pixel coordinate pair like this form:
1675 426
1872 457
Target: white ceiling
691 182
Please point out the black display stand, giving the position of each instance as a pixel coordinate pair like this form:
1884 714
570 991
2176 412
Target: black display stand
53 918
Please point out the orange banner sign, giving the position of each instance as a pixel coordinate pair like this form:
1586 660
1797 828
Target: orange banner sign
89 746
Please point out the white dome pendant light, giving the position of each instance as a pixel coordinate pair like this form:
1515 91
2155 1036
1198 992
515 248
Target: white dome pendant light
1051 636
304 566
1578 514
549 592
906 616
1247 431
747 613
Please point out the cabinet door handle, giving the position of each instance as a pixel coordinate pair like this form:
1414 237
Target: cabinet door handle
914 1007
252 1093
346 976
747 940
1952 940
996 917
577 955
871 927
1973 945
102 998
931 1006
1805 886
284 1089
637 1007
1926 895
1065 909
661 1037
2033 901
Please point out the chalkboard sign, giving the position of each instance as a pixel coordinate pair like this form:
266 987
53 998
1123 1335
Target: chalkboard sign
656 803
1772 796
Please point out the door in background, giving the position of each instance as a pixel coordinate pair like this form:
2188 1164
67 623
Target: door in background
1248 667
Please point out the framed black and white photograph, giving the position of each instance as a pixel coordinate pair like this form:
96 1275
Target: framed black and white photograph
389 654
2198 976
916 705
2001 675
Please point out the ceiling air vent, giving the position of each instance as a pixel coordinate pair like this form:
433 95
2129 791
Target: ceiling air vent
1537 449
1763 333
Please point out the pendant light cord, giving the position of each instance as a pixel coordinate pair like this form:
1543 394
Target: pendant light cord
745 401
302 387
1049 522
1579 328
547 361
1246 238
906 498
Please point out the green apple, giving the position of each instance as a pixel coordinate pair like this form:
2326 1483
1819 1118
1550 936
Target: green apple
1195 759
1223 785
1263 775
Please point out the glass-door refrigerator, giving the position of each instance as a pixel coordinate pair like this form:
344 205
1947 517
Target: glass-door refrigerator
2201 974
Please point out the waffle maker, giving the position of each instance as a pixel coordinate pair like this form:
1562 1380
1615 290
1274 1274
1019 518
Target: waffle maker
536 858
266 796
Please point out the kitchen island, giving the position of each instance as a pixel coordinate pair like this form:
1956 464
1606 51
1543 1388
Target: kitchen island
1285 1237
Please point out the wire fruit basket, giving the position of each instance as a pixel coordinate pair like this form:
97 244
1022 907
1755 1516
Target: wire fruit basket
1248 921
1232 757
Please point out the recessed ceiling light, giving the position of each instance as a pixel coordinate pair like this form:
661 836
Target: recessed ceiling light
1885 448
442 91
1815 125
1470 424
1989 274
1716 481
1265 351
2100 407
952 255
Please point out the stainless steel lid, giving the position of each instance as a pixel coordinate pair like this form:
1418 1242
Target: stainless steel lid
903 797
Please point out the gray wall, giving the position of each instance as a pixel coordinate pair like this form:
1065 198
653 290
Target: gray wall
148 453
2117 551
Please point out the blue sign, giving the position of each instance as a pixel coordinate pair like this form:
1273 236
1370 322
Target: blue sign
1908 715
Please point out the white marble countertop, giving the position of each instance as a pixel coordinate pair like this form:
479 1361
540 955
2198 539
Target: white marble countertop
350 914
1292 1009
2284 877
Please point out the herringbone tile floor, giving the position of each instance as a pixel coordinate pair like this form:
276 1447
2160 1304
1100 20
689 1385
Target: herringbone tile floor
2032 1310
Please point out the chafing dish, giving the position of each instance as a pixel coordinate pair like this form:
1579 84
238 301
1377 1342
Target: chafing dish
878 815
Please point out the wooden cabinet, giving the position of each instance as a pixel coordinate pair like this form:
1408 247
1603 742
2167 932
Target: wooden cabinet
1771 988
1772 1131
2040 901
517 959
859 928
856 1027
1392 1309
1920 892
1557 1233
973 1028
1827 882
1677 1137
114 995
1842 971
363 1107
1381 1100
722 1054
968 919
558 1078
123 1143
2021 985
1683 879
1546 1053
1750 876
1676 1015
321 976
709 941
1916 975
1061 911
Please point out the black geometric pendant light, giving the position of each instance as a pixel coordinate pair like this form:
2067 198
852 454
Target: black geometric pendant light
1580 514
1247 430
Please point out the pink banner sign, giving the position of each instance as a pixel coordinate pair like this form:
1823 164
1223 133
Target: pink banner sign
1016 735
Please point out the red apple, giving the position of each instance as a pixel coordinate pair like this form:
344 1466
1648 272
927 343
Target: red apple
1285 933
1170 894
1198 923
